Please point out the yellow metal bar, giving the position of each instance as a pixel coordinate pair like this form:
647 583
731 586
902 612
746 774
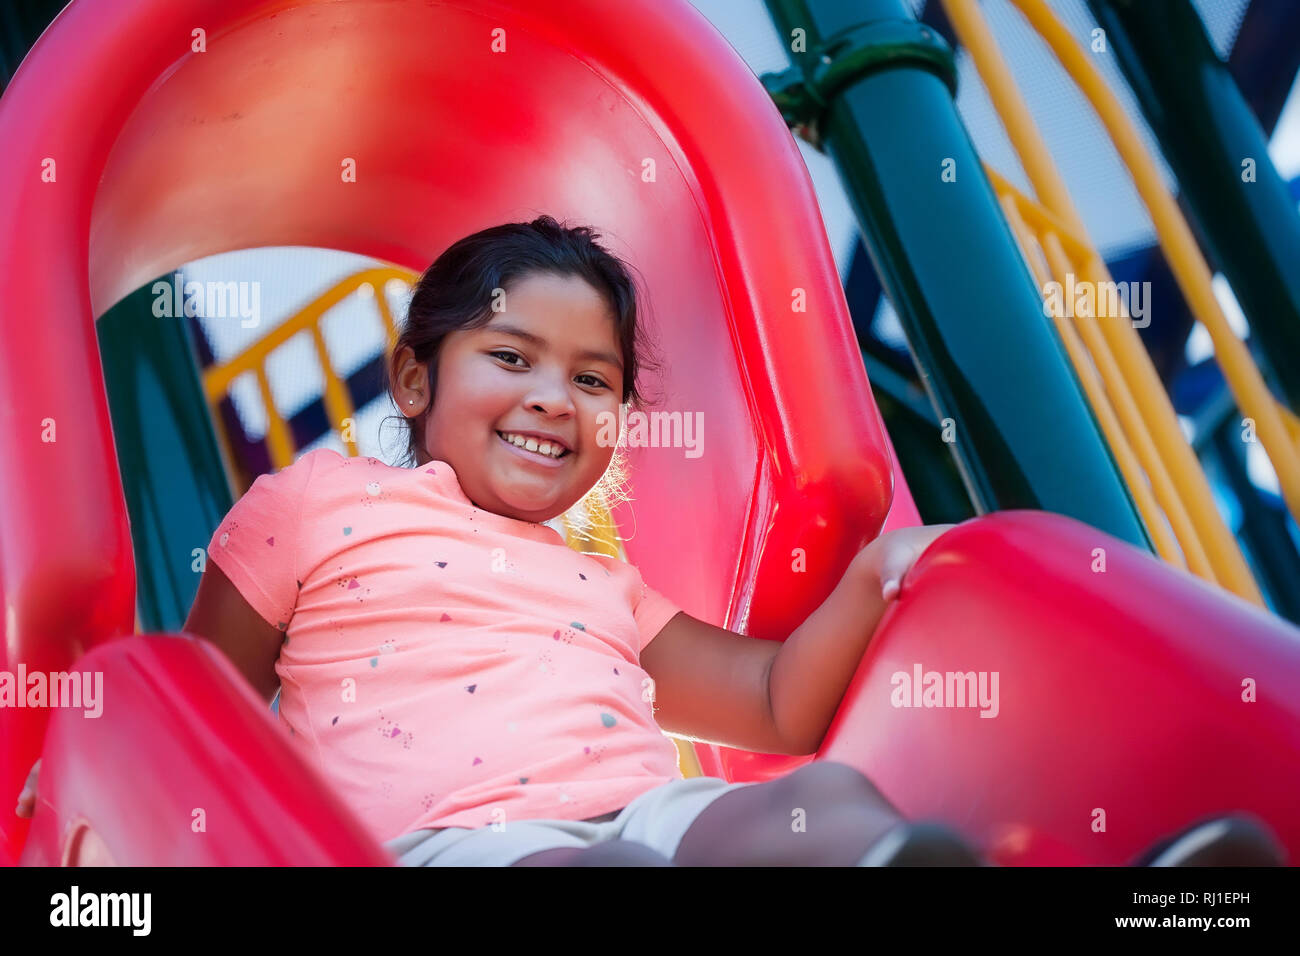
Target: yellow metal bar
1040 220
1065 225
1209 533
1183 467
386 317
1167 546
973 31
687 762
227 454
602 537
1292 422
279 441
338 403
1030 247
1154 465
216 381
1162 485
1182 254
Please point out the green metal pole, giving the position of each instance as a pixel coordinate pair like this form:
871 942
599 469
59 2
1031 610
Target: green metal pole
175 484
874 88
1217 150
1263 529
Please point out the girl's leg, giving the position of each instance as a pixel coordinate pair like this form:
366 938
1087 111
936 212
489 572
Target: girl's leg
824 814
609 853
1231 840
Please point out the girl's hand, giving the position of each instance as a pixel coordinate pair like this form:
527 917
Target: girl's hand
891 556
27 799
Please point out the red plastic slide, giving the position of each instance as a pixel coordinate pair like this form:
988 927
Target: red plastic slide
142 134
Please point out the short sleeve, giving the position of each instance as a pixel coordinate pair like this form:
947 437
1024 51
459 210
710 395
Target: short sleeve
256 544
652 612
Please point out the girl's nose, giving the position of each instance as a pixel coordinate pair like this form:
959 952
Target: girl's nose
552 407
550 396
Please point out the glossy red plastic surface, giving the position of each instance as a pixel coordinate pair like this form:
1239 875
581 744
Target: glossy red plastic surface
185 767
1124 691
640 119
636 118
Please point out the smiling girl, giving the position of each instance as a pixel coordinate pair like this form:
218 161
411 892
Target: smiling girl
482 694
478 691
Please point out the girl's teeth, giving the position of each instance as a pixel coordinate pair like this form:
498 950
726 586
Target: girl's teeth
532 444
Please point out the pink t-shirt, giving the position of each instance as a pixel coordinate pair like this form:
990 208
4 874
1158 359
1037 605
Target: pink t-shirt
444 665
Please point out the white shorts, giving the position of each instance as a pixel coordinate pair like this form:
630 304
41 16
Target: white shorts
658 818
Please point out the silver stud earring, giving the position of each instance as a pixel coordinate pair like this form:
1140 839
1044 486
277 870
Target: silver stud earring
410 401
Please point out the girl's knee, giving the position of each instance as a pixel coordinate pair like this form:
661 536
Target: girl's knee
620 853
560 856
828 781
609 853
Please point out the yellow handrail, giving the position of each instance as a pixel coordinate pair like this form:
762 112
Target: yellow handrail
1140 405
1165 542
1052 241
218 379
1184 257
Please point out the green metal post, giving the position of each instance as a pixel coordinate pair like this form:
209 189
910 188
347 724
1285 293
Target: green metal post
175 484
1263 530
1215 147
874 88
931 473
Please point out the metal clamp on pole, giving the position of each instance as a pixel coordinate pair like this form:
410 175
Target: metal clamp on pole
805 91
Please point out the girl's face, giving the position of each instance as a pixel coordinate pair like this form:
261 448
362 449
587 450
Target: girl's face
547 367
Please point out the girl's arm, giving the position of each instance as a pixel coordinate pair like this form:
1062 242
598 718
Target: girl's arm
221 615
721 687
815 665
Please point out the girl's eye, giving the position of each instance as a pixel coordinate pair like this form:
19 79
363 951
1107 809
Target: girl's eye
595 382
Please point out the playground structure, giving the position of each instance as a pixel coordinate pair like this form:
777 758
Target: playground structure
567 118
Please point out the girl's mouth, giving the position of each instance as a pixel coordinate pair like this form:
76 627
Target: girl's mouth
538 455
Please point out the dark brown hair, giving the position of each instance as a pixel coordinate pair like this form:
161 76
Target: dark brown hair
456 292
